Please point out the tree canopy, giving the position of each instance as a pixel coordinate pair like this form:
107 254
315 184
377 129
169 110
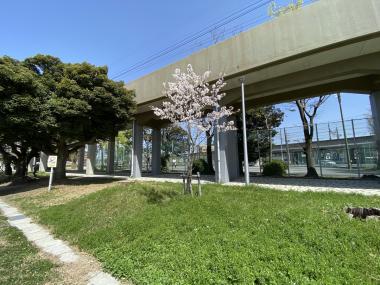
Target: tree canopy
189 101
262 120
24 116
75 104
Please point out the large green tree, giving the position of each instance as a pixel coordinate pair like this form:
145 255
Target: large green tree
261 122
174 140
84 103
24 117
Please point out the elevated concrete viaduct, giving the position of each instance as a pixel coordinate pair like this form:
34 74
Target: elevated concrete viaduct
329 46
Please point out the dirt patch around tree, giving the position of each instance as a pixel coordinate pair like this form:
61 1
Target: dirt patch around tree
36 193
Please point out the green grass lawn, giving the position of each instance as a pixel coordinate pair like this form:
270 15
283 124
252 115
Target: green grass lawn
150 234
20 263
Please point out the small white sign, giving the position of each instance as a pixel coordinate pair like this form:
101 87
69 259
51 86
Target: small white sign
52 161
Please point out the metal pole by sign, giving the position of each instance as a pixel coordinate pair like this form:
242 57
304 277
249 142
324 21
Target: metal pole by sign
246 166
344 132
52 163
51 178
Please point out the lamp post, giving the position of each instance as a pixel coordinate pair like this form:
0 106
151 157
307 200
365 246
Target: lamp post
133 149
246 166
344 131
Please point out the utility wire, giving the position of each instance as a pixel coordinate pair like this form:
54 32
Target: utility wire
232 17
143 64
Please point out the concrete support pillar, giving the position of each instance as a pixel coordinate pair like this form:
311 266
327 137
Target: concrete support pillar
91 159
229 156
137 150
111 156
375 107
156 151
81 159
31 164
43 162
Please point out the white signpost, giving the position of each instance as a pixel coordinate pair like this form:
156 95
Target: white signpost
52 163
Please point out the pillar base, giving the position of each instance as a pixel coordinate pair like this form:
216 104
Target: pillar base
156 152
91 159
229 157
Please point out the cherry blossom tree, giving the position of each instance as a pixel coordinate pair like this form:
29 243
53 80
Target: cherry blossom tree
194 105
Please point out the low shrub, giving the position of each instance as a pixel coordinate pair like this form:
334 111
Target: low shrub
274 168
201 166
164 162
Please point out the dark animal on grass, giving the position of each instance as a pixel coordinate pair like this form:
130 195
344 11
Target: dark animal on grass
362 212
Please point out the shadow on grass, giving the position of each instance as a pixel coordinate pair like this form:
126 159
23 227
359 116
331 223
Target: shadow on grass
155 196
19 186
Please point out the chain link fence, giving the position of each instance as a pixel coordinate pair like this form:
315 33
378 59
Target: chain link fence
339 149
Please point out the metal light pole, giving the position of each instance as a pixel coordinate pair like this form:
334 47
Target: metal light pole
133 148
344 131
246 166
218 168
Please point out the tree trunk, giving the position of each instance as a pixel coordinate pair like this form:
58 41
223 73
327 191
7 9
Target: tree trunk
8 167
22 163
189 174
21 168
63 154
189 185
378 153
311 171
209 152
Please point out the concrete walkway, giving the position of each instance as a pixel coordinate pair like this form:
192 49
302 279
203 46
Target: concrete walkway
52 246
348 186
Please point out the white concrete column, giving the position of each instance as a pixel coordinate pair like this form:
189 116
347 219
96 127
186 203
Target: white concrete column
229 156
81 159
31 164
156 151
91 159
43 162
375 107
137 150
111 156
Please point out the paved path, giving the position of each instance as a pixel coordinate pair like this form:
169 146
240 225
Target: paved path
349 186
50 245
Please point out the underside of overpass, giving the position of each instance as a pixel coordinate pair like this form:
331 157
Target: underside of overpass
327 47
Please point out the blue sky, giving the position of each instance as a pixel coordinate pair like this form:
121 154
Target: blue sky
119 33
